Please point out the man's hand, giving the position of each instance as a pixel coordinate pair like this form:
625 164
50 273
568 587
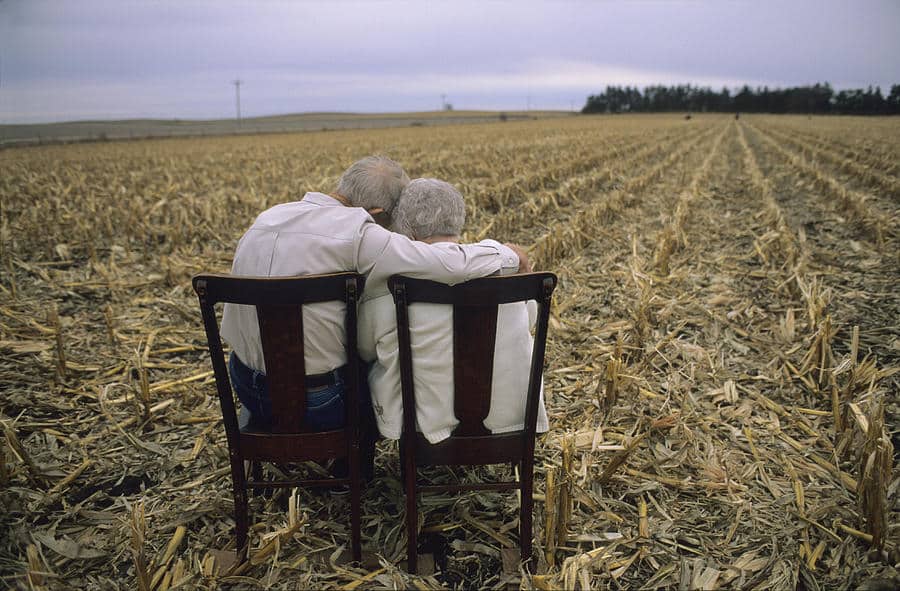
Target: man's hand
524 263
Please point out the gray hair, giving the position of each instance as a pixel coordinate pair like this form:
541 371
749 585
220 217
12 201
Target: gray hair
374 181
429 207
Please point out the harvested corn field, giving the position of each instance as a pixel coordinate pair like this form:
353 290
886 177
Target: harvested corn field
721 371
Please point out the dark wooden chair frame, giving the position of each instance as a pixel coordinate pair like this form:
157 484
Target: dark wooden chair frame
474 332
278 303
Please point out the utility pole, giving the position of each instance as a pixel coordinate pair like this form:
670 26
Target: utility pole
237 99
443 102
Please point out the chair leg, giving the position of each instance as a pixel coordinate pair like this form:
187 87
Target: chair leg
526 512
241 517
355 502
412 514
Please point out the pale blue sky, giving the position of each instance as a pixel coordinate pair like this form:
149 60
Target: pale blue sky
111 59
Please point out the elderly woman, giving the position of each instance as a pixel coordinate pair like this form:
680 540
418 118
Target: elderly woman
433 211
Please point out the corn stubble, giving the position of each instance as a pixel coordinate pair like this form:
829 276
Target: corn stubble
721 370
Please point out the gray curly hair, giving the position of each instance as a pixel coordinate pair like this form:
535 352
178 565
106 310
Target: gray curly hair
374 181
429 207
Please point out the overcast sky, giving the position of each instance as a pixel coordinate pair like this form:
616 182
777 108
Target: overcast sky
113 59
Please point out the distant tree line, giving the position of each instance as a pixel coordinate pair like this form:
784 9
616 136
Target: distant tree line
818 98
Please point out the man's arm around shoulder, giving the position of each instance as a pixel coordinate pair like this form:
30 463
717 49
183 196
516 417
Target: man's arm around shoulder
381 253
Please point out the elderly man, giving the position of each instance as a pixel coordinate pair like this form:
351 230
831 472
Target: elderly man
433 211
328 233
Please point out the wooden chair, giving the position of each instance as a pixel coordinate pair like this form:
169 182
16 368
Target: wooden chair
279 304
474 331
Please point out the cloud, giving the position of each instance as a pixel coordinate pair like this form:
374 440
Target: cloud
210 94
105 58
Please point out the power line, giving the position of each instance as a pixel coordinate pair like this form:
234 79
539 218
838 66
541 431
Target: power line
237 98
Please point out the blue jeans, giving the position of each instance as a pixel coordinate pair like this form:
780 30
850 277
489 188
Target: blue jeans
324 408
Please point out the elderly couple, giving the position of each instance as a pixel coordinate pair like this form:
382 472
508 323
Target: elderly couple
419 223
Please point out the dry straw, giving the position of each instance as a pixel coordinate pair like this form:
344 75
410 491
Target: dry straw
721 362
876 469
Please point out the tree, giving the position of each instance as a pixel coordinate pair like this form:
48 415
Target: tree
818 98
893 100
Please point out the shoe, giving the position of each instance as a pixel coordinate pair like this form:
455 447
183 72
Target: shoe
339 469
339 490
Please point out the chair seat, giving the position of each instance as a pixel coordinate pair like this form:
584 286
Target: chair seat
287 447
480 450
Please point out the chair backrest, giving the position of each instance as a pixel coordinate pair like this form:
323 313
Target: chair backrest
279 305
474 331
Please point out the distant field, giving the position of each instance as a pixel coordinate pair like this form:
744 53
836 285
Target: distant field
147 128
721 379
